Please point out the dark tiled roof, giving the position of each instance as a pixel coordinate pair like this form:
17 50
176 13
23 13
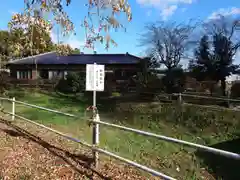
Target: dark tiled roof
53 58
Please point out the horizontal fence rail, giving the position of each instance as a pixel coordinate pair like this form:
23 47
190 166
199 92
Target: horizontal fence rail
48 128
39 107
170 139
96 148
185 94
206 97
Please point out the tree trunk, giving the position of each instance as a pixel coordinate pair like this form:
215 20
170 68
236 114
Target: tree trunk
223 86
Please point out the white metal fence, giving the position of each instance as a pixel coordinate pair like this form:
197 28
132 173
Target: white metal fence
94 146
180 95
188 97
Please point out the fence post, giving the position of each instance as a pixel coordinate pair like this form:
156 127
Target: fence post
13 108
95 130
96 139
180 98
228 101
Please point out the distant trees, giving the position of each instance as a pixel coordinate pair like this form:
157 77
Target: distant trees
214 57
29 35
212 60
4 47
63 49
4 41
76 51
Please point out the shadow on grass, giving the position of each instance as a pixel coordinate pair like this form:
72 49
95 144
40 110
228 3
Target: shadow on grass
222 167
66 156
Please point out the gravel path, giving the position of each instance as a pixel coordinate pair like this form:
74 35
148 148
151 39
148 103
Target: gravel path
30 153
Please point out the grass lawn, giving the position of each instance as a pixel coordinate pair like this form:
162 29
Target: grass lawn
173 159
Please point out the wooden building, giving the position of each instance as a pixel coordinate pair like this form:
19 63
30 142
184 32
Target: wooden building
48 67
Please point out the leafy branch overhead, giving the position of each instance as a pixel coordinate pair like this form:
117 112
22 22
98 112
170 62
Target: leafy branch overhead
101 17
31 35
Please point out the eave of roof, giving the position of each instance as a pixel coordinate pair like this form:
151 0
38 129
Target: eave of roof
51 58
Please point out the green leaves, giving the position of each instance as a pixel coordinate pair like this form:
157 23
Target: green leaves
63 49
30 35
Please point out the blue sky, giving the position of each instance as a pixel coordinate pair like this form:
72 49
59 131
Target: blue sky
143 11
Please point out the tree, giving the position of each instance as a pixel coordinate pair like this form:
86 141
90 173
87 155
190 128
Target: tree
63 49
4 39
223 58
4 82
146 80
4 47
225 43
167 42
105 12
29 35
76 51
174 80
147 74
202 66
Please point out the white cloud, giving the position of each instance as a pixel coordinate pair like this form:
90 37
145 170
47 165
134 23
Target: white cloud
237 57
163 3
235 77
167 7
74 43
225 12
169 11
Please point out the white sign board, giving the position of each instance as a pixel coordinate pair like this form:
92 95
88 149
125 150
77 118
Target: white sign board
95 77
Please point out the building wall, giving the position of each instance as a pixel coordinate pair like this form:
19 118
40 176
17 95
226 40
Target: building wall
34 74
115 74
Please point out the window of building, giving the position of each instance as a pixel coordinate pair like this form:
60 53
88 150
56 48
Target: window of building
24 74
58 73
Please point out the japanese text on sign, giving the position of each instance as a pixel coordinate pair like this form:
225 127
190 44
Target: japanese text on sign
95 77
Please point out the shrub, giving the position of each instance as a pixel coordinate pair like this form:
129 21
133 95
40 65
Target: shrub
174 80
4 82
17 93
195 117
235 90
73 83
149 84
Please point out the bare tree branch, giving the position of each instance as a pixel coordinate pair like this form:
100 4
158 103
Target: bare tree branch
167 41
225 26
104 12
